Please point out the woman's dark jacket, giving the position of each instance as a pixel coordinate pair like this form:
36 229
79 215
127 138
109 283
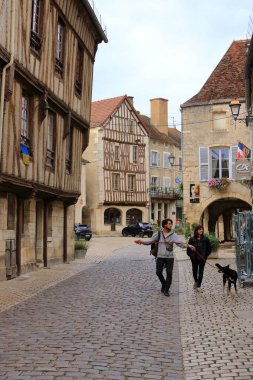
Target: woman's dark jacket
202 245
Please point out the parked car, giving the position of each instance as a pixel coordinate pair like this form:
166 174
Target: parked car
140 229
83 231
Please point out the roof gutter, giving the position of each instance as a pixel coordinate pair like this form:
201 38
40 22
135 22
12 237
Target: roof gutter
91 11
9 64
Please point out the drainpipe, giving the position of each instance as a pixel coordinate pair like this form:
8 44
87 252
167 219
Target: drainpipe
9 64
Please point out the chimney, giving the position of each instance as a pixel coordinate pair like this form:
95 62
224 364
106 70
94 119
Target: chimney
131 99
159 114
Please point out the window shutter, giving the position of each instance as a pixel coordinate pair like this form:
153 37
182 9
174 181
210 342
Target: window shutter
233 155
158 159
203 164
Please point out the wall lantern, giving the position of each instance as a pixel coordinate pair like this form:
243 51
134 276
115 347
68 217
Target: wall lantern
235 106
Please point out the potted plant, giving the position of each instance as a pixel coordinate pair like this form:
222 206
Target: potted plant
219 183
81 247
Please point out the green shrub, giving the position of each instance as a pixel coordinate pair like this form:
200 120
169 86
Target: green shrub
187 231
179 230
214 241
155 227
81 244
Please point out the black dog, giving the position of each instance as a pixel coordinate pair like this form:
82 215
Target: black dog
230 275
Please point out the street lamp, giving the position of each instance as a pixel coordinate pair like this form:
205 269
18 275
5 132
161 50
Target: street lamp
172 160
235 106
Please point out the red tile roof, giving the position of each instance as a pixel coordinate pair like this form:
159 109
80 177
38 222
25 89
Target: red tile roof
227 79
101 110
173 137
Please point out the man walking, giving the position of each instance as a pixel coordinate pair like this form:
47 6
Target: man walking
165 256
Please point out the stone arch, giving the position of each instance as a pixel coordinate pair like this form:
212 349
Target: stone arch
133 215
112 216
217 215
86 215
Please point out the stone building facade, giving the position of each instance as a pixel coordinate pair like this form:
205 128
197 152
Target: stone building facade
210 140
164 178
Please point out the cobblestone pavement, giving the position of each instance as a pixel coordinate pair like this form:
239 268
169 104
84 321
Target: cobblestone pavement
109 321
216 330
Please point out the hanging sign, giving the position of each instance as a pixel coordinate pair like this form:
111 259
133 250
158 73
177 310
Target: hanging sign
243 169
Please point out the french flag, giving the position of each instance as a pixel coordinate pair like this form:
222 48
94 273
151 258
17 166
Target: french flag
243 151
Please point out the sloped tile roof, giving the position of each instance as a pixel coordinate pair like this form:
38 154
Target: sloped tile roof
227 79
101 110
173 138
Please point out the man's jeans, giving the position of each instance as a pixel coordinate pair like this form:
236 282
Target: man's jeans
168 265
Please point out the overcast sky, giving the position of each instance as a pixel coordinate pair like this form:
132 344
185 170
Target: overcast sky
165 48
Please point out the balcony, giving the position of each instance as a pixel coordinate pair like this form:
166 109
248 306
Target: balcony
165 193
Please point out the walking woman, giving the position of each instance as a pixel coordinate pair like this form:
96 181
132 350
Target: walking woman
199 255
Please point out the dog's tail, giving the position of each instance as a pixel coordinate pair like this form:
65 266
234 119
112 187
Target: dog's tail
219 266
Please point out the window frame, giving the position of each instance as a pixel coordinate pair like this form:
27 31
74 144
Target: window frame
131 182
69 150
59 48
26 138
117 182
36 26
51 153
79 69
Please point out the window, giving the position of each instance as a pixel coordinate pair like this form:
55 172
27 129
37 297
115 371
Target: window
155 183
11 212
115 181
166 161
217 162
35 40
135 154
116 153
79 69
219 121
59 48
25 132
68 155
131 182
154 158
220 162
51 140
166 183
130 126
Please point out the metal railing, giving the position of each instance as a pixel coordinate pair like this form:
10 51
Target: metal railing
243 231
165 192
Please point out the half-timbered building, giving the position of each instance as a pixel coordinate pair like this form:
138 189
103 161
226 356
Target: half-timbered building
47 52
117 173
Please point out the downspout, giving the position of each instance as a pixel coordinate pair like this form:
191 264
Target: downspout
9 64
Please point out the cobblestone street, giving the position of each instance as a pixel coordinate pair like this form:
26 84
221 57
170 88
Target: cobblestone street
110 321
104 317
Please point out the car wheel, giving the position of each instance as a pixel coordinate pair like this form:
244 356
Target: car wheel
124 234
133 235
141 234
87 238
150 234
